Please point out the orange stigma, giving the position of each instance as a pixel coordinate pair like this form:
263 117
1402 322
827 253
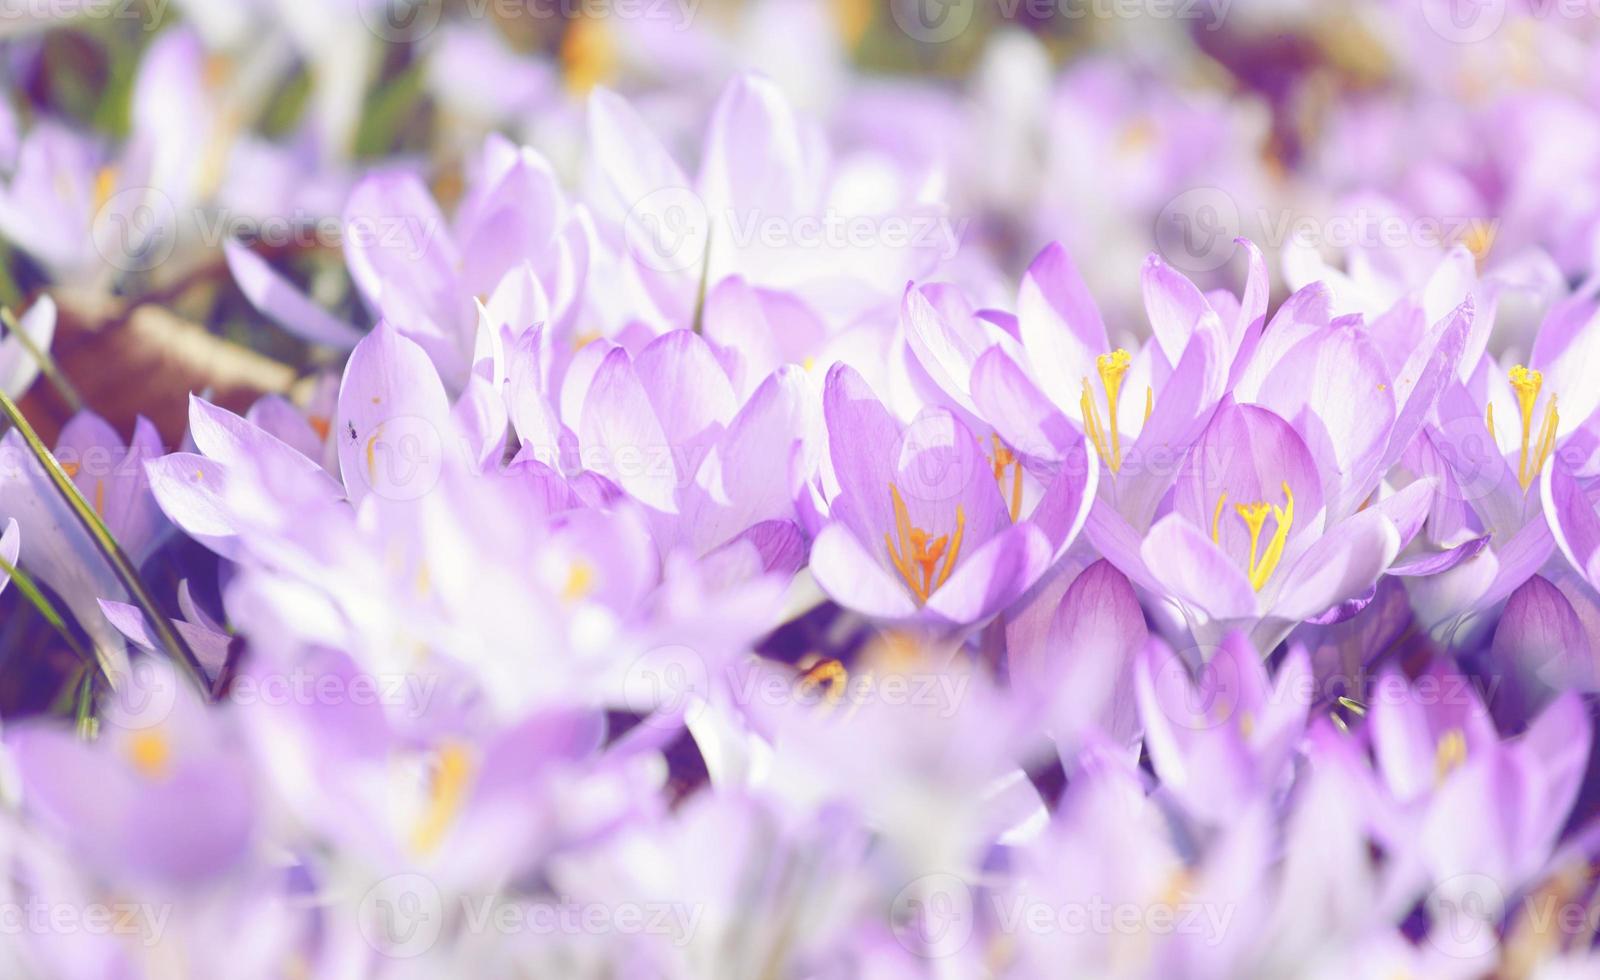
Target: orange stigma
922 560
1001 459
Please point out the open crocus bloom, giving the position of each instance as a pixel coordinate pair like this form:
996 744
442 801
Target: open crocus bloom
919 528
1140 411
1250 543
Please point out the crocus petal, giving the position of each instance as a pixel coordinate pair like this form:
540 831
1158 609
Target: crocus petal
10 545
988 579
1085 666
1060 326
1196 571
394 425
19 366
1007 399
687 387
856 579
622 438
1174 305
278 300
1344 562
864 443
1334 389
1573 521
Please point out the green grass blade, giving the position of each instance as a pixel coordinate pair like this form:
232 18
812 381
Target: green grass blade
47 364
170 639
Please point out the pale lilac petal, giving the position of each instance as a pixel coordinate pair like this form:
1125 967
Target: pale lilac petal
278 299
856 579
1343 563
1194 570
1059 325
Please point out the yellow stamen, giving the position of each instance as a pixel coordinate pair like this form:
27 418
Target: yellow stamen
920 552
588 54
1261 563
1489 417
1450 754
580 582
828 674
1532 456
1149 401
1002 458
1112 367
448 791
150 753
105 183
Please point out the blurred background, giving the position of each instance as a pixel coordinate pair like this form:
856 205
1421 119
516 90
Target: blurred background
1361 143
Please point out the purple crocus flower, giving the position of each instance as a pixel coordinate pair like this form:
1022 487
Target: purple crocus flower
919 529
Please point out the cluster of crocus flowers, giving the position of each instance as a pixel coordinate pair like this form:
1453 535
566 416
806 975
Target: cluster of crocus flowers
732 564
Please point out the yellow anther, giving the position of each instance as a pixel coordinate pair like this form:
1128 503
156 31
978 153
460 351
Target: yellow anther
1112 368
150 753
1002 458
580 582
1532 455
1149 402
105 183
829 675
919 557
1450 754
1262 563
447 792
588 54
1479 238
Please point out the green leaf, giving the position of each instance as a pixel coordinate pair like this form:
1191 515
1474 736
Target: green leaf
120 564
